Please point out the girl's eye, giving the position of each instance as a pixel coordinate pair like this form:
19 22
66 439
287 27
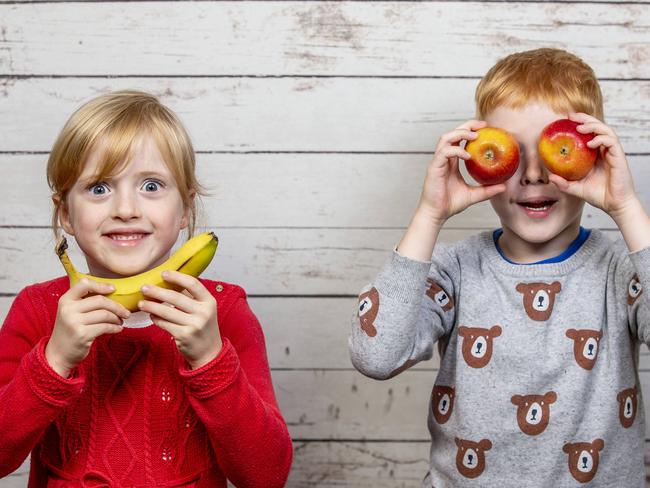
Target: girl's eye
98 189
152 185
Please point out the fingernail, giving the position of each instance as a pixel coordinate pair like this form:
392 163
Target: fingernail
145 288
140 304
127 314
165 274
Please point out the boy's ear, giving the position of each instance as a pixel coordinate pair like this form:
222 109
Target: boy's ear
62 214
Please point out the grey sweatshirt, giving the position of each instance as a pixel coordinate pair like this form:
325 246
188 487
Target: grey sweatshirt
538 383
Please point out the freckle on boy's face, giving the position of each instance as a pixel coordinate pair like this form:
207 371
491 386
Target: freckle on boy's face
532 208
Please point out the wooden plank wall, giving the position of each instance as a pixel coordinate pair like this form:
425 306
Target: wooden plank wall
313 122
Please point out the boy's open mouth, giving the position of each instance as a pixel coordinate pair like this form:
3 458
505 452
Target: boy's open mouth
539 205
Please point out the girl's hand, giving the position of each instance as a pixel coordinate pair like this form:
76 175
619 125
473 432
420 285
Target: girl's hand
83 315
190 318
608 185
445 192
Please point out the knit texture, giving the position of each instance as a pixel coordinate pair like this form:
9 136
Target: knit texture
537 383
133 413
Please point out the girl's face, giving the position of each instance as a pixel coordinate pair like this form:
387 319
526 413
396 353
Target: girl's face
127 223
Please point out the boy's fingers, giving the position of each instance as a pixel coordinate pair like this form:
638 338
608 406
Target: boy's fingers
480 193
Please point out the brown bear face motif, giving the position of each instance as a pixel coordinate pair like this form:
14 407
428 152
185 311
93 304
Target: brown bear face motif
627 406
442 402
470 457
533 411
585 346
539 299
477 344
584 458
633 290
368 310
439 296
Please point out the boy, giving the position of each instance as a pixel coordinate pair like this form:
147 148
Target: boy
539 322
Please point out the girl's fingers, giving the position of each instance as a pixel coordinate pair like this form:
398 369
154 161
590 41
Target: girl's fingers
97 302
177 299
85 287
166 312
97 330
174 329
189 283
101 316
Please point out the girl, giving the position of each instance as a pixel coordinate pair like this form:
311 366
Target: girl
177 394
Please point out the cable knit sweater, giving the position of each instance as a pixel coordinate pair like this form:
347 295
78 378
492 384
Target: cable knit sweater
133 413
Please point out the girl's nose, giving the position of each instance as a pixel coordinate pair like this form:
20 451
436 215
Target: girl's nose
534 171
125 206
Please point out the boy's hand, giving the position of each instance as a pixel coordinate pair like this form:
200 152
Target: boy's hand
191 317
83 315
608 185
445 192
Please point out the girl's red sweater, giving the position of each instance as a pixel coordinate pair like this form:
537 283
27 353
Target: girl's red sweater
133 413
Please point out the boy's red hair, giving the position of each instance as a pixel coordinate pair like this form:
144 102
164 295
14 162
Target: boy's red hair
552 76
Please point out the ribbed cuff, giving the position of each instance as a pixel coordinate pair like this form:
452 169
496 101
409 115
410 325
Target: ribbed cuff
641 262
215 376
402 278
46 383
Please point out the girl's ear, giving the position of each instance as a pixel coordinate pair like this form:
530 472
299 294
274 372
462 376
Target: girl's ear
185 220
63 214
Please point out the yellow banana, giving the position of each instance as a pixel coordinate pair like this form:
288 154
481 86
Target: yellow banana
191 258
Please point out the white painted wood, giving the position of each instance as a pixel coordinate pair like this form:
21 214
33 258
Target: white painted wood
291 190
263 261
322 38
293 114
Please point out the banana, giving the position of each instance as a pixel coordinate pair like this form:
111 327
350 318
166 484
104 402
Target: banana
191 258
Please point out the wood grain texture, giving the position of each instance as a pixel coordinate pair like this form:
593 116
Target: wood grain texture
293 114
290 190
447 39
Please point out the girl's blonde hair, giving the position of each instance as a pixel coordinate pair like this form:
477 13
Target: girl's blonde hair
117 120
552 76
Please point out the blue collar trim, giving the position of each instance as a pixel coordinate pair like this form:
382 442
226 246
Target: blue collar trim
570 251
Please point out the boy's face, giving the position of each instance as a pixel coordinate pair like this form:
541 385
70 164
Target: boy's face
127 223
532 209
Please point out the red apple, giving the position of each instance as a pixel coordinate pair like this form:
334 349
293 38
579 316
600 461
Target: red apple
494 156
564 150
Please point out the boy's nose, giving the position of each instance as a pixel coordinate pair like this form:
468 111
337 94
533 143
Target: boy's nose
534 170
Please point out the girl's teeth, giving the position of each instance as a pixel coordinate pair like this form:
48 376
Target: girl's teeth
131 237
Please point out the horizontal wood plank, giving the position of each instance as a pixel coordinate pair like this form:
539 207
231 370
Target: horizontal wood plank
264 261
293 114
314 38
290 190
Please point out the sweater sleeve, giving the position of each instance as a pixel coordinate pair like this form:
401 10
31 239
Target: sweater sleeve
233 397
633 278
402 314
32 394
